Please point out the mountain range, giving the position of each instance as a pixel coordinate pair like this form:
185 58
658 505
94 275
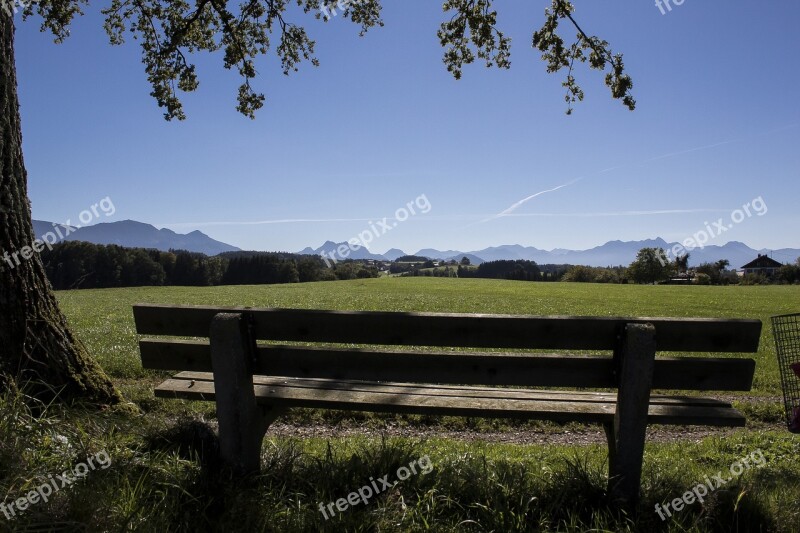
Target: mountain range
612 253
133 234
329 248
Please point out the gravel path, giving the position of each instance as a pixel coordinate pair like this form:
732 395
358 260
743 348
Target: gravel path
574 434
571 434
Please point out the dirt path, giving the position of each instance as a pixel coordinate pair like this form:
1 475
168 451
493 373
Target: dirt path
574 434
571 434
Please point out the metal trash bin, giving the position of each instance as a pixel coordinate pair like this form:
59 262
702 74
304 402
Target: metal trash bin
786 331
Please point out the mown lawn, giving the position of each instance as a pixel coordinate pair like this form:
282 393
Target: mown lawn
160 478
104 321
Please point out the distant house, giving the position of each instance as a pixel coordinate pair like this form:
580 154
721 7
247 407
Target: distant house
763 264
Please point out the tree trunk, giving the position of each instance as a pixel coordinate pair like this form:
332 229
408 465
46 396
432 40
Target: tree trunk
37 348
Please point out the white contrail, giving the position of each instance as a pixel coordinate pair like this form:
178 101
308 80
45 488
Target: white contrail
514 206
450 218
622 213
690 150
722 143
532 196
508 211
261 222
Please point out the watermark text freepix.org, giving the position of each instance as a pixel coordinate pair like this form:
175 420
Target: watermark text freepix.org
328 8
714 230
701 490
55 484
59 232
366 492
383 226
666 7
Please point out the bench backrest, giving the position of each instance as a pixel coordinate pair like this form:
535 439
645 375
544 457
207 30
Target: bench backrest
453 331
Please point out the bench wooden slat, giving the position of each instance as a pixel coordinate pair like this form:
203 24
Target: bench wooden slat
456 330
456 368
459 391
331 394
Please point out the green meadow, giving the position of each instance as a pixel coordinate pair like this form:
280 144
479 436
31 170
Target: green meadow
161 476
104 321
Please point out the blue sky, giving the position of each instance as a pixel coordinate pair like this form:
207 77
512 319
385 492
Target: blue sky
381 122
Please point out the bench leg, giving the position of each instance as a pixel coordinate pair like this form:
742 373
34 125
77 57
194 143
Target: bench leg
242 422
630 420
612 445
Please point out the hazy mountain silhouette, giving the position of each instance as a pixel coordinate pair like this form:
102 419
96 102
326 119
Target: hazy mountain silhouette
132 234
615 253
331 248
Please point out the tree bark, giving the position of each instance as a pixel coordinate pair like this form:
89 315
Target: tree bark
37 349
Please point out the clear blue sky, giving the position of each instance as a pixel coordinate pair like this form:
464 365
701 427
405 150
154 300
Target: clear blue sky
381 122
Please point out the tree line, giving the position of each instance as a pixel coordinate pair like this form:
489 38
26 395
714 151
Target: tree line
83 265
650 267
519 270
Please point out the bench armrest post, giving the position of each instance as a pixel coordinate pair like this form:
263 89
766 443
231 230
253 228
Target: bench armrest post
242 422
626 451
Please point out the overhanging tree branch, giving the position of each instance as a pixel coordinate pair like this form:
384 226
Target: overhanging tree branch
170 30
548 41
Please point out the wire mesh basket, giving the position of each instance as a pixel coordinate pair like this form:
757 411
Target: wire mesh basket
786 330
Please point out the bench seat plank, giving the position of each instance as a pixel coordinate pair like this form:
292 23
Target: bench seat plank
558 406
462 391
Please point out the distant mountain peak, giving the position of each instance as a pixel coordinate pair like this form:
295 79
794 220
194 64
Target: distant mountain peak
331 249
135 234
393 253
612 253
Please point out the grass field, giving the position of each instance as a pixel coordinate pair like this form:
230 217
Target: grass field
104 321
159 479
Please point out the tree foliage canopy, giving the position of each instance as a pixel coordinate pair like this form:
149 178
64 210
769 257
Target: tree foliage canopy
169 32
650 266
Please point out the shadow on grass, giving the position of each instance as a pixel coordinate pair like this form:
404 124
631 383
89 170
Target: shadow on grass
464 492
167 478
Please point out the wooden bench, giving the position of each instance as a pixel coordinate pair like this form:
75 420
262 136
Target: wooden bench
254 383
